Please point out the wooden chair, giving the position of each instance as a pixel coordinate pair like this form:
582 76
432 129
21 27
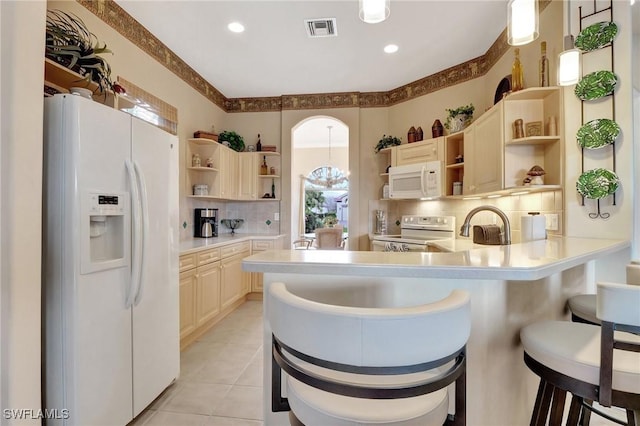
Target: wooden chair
329 238
579 358
368 365
302 244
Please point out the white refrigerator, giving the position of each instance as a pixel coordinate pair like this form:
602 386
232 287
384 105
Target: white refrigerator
110 257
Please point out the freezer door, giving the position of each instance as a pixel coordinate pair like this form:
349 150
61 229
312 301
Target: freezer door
156 344
87 324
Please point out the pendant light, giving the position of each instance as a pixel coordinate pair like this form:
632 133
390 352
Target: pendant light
569 60
374 11
522 22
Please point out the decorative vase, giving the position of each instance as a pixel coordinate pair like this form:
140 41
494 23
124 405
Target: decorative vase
437 129
458 122
411 135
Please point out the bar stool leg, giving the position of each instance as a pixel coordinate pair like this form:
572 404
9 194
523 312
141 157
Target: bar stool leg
557 408
586 413
541 407
574 411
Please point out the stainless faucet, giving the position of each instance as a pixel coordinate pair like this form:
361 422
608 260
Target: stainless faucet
505 235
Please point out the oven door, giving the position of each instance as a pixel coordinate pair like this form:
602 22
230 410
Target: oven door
379 245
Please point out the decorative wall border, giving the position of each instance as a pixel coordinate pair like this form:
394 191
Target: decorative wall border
117 18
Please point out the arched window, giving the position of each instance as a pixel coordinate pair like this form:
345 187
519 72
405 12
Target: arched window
327 177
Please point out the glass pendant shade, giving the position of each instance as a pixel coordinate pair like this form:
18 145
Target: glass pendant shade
522 22
569 67
374 11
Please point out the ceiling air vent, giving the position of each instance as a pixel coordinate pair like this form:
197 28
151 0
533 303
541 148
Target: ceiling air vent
325 27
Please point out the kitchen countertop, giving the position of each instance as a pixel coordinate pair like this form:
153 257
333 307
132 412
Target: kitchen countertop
193 245
521 261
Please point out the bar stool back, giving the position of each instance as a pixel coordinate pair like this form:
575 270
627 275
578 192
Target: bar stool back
579 358
583 306
361 366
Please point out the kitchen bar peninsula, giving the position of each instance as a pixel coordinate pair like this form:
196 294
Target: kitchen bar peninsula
510 286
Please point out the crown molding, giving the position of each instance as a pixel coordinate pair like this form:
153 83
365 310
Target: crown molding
117 18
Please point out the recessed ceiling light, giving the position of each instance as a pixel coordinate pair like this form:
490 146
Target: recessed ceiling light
236 27
391 48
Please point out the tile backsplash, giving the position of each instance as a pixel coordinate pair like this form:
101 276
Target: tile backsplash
259 216
514 206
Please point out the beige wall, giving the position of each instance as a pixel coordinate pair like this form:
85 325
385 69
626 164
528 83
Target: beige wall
21 80
195 112
621 221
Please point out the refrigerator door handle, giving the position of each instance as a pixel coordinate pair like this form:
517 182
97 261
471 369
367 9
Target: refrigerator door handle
144 214
135 231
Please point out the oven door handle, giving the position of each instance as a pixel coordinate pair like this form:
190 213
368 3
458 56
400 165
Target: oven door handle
423 177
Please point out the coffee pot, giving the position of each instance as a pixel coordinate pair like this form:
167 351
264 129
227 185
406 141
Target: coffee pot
205 223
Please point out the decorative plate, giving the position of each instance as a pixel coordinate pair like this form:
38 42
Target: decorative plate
503 87
596 85
596 36
598 133
597 183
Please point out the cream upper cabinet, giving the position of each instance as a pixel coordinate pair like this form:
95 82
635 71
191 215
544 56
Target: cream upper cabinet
418 152
541 145
229 172
222 173
483 153
248 176
488 157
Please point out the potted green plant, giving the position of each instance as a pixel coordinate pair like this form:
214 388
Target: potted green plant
387 141
70 43
330 220
234 140
459 118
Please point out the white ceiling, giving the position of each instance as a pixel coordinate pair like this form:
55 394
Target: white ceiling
274 56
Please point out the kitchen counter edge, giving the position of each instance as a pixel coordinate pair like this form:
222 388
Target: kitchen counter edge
194 245
523 261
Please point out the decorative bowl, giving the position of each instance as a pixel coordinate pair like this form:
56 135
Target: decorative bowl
232 224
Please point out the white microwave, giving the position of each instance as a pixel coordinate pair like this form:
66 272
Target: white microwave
415 181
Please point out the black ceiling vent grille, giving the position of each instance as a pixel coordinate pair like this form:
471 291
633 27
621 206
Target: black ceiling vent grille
325 27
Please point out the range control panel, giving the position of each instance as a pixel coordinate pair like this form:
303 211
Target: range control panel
429 222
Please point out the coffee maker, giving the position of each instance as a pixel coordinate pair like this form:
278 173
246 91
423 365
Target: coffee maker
205 223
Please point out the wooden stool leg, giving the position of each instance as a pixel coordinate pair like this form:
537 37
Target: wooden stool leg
586 413
541 407
557 408
574 411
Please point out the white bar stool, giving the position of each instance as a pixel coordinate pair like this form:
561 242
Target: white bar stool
361 366
583 306
579 358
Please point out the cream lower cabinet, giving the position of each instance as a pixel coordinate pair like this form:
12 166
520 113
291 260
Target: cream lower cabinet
188 285
259 245
199 289
234 281
208 293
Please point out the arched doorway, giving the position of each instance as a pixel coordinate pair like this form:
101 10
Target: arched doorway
319 174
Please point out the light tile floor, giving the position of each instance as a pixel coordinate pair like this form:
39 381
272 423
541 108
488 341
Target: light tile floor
220 380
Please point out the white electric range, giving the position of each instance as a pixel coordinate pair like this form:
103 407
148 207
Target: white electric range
416 232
